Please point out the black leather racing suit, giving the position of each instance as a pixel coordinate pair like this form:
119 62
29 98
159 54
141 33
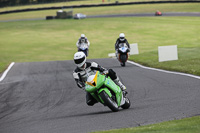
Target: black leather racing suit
119 41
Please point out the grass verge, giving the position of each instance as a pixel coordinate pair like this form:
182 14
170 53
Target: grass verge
55 40
187 125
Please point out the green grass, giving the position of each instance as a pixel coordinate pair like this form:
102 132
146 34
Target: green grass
187 125
29 41
174 31
189 60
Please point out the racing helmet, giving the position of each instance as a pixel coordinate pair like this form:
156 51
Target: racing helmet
79 59
121 36
82 37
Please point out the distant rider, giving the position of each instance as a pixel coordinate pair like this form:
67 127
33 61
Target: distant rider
81 41
84 69
121 39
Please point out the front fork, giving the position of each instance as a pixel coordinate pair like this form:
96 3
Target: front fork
123 100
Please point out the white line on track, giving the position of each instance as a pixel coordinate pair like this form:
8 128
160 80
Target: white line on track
178 73
6 71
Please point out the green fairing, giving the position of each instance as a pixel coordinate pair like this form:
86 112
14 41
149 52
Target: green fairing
110 84
106 90
93 89
97 97
100 82
107 82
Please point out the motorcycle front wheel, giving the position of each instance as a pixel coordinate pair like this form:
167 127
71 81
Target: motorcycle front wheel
108 101
123 59
127 104
123 64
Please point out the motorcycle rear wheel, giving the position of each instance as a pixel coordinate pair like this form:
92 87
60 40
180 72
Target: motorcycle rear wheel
108 101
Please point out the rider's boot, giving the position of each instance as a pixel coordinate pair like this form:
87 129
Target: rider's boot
119 83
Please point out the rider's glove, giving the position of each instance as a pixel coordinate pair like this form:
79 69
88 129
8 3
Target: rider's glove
128 49
105 72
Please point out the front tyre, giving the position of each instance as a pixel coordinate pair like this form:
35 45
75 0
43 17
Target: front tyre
123 64
108 101
84 51
127 104
123 58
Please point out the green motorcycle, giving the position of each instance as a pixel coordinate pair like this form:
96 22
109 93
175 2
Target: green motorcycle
105 91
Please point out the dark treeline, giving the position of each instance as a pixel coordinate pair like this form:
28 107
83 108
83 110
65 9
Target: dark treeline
4 3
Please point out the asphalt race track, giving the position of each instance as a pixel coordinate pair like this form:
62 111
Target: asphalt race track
42 97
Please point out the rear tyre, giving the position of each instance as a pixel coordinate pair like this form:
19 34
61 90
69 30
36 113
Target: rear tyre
108 101
127 104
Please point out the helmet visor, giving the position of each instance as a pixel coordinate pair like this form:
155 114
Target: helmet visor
121 38
79 61
82 40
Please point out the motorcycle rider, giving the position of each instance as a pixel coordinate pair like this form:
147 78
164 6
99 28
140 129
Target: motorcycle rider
81 40
119 40
84 69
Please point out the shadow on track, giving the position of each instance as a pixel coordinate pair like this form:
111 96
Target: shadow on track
88 114
80 115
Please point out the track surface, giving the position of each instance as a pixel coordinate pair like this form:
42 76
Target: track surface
42 97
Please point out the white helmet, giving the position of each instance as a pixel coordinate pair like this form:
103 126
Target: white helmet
79 59
121 36
82 36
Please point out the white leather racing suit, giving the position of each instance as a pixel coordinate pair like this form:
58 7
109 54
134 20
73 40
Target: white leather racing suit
81 74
